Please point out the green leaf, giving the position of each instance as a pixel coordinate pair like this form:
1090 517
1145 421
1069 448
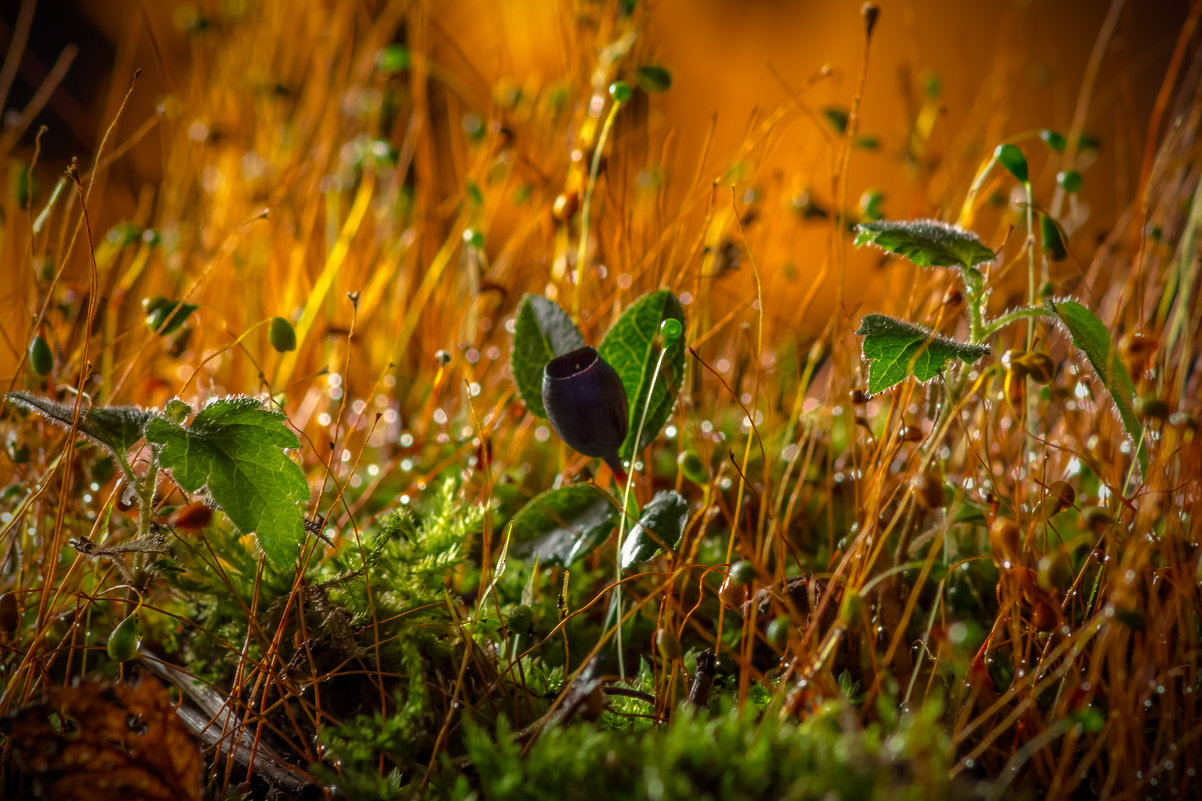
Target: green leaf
654 79
927 243
1013 160
660 526
541 332
632 346
1053 243
562 525
116 427
896 349
1091 337
235 449
165 316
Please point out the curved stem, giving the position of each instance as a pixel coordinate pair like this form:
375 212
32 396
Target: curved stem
997 324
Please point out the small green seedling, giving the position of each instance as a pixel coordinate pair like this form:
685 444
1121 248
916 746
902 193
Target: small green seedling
896 349
233 449
646 349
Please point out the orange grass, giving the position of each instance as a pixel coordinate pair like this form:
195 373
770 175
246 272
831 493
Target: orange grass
299 180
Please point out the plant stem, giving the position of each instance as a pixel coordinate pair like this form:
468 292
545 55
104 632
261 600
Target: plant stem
966 209
975 304
998 323
144 488
638 432
1032 290
582 247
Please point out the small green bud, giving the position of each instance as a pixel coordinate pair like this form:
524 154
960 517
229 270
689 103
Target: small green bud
668 645
177 411
670 330
692 467
520 617
123 642
778 632
654 79
1069 179
1053 140
619 91
1053 243
1013 160
281 335
40 357
742 572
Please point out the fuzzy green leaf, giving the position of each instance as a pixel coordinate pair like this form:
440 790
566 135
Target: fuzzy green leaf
897 349
234 448
632 347
116 427
927 243
541 332
661 525
1091 337
562 525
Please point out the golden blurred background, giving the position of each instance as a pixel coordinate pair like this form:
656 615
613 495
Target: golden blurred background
245 138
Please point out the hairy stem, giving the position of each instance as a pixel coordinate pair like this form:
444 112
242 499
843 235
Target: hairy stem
998 323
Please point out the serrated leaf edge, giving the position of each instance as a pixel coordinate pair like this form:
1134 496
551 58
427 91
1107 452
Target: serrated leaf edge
930 337
864 237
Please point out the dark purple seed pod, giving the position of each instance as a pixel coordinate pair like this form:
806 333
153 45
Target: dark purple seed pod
586 404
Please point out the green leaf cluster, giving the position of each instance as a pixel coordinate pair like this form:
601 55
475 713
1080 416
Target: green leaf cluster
633 346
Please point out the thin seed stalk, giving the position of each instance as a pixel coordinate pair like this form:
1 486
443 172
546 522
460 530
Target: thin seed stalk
586 205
